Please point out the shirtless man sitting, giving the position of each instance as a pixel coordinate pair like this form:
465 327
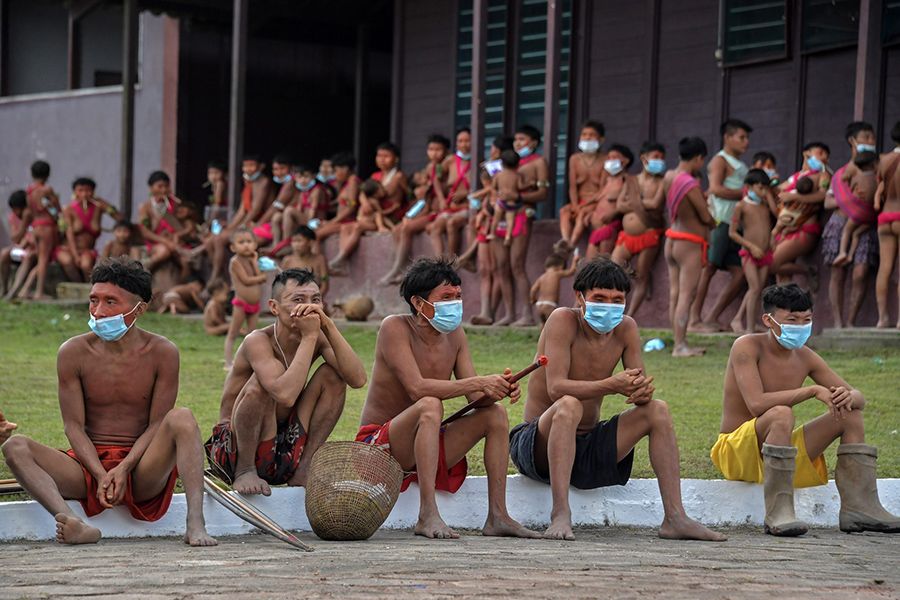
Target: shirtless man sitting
129 442
271 419
417 357
758 442
561 442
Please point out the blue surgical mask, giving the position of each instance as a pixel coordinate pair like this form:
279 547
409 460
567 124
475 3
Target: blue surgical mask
252 177
603 317
792 336
753 197
772 173
463 155
447 315
860 148
111 329
266 264
589 146
524 151
281 178
656 166
613 166
814 163
305 188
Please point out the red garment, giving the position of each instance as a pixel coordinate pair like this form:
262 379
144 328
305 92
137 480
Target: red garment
264 232
460 176
148 510
247 197
249 309
765 261
520 225
638 243
684 236
607 232
446 480
888 217
163 226
808 228
528 159
86 218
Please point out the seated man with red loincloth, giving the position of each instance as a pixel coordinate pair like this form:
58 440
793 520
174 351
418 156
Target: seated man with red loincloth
421 360
117 390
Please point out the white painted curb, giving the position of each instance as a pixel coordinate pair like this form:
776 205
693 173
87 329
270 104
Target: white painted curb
712 502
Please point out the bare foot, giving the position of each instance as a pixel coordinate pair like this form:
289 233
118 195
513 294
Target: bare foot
72 530
482 320
196 535
736 325
506 527
685 528
337 269
249 482
560 528
434 528
684 351
841 260
882 323
706 327
506 320
525 321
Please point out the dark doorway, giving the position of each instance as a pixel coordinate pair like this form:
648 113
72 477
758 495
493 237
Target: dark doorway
301 74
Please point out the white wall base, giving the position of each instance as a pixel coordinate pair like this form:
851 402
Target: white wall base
712 502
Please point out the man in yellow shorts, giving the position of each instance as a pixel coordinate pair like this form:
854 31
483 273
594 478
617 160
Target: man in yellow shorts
758 442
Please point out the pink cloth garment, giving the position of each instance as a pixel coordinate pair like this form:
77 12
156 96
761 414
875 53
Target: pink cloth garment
680 187
856 210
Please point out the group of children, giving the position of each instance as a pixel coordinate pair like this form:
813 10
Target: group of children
748 222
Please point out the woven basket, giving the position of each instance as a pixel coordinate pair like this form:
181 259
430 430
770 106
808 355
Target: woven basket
351 490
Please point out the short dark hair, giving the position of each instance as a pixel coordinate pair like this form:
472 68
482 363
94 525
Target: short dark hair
601 273
252 156
732 125
554 259
755 176
217 284
437 138
87 181
390 147
865 159
804 185
624 151
509 158
691 147
370 187
18 199
856 127
531 132
217 164
40 169
282 159
343 159
596 126
241 230
790 297
763 156
301 276
820 145
895 132
424 275
301 168
304 231
124 223
463 129
158 176
651 146
123 272
502 142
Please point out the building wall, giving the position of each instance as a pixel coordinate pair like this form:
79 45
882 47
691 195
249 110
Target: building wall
428 76
79 132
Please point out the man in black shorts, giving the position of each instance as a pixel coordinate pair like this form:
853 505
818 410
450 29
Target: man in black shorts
561 442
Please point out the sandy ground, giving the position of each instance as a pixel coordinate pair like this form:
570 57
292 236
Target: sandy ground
611 562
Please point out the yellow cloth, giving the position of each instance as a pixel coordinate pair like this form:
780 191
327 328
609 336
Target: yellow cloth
737 456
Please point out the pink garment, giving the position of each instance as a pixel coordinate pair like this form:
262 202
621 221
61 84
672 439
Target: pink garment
680 187
856 210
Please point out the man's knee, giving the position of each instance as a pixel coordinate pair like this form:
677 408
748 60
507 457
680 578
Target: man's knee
431 409
567 411
657 412
329 376
779 417
15 449
181 421
495 416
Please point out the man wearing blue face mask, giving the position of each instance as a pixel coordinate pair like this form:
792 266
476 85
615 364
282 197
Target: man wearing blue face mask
758 442
561 441
421 360
129 444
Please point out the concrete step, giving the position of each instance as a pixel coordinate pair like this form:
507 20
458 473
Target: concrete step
637 504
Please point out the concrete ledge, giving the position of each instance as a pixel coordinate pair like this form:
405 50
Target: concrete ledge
713 502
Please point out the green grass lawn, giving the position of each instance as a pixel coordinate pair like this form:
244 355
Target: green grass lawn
30 336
